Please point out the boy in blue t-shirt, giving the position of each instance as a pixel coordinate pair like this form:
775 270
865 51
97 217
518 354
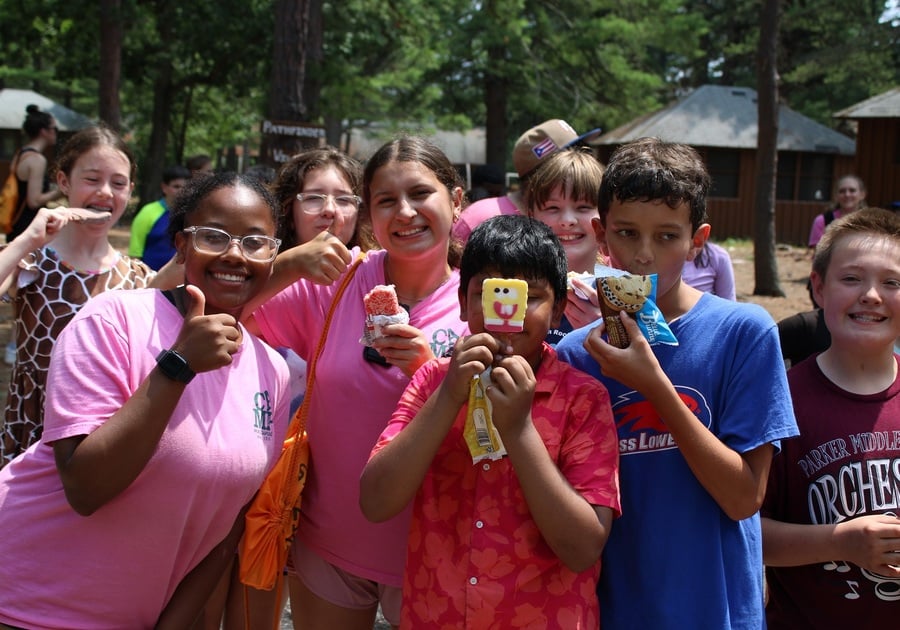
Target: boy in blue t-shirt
697 423
150 240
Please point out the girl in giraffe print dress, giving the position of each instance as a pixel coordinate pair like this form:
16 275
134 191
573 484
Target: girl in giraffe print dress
50 281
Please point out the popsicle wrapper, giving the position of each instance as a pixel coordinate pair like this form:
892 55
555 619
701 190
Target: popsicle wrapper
481 436
382 308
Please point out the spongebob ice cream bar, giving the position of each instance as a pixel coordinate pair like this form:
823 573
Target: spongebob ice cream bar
503 303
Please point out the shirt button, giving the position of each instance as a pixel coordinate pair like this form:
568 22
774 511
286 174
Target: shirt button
486 466
479 524
473 581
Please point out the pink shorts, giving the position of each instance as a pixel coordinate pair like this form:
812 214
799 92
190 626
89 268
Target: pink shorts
343 589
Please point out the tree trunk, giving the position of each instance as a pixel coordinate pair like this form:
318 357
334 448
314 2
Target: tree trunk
111 33
296 22
495 94
764 261
151 171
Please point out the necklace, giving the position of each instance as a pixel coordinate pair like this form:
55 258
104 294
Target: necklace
406 301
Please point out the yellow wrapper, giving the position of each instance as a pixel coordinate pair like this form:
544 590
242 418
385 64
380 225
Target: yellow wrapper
479 432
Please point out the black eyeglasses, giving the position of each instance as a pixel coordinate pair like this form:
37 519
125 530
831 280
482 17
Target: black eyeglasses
210 240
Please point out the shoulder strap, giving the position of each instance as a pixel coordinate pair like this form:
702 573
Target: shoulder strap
829 217
298 423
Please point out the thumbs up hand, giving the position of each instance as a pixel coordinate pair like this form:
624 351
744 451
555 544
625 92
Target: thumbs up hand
206 341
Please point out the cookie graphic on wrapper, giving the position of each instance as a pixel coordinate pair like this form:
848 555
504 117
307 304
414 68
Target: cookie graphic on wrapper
504 302
621 293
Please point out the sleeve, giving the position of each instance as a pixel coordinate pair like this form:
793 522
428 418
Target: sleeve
90 375
817 229
140 228
289 319
423 384
589 454
724 283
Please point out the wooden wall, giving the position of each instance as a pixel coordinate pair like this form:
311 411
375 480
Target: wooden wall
878 159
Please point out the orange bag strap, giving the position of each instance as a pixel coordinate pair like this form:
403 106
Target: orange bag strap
298 423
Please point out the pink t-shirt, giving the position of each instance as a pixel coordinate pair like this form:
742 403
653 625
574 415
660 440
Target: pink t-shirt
716 276
118 567
475 555
818 227
351 402
479 211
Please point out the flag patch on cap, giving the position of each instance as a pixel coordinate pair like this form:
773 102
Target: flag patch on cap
544 147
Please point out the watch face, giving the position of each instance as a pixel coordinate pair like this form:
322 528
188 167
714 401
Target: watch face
174 366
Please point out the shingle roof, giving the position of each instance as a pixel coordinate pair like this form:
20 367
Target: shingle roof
13 104
886 105
726 117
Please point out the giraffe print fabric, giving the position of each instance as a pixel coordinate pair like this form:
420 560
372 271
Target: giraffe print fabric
50 294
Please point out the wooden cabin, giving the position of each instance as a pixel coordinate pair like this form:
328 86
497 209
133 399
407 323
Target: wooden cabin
878 146
721 123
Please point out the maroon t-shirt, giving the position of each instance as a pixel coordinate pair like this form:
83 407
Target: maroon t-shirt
845 464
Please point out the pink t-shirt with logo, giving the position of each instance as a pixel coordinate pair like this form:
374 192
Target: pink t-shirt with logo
351 403
118 567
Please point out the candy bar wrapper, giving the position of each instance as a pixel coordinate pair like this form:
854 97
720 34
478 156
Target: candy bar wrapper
620 291
481 436
382 309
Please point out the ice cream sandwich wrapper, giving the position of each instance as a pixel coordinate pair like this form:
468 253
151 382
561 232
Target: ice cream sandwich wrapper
620 291
376 317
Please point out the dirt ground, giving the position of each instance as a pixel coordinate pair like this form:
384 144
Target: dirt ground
793 270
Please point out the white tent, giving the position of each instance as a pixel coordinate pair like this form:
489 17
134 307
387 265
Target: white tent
13 104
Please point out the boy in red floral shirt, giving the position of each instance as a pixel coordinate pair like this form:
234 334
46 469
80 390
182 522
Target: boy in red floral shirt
513 541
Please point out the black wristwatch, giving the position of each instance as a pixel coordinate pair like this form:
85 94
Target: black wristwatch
174 366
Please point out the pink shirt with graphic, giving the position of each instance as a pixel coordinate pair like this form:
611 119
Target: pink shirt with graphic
475 556
118 567
351 403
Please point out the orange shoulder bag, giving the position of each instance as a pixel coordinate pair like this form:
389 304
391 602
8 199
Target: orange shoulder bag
272 518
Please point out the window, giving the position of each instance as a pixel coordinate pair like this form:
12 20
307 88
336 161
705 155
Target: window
724 167
804 176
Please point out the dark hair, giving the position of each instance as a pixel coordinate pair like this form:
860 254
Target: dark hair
421 151
515 245
650 169
872 221
36 121
198 189
175 172
196 162
89 138
575 167
290 182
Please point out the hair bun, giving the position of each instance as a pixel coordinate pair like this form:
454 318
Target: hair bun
33 109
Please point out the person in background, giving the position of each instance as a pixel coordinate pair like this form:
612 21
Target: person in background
562 193
52 281
149 239
850 195
346 565
31 168
831 534
33 178
803 335
488 180
529 152
552 497
697 423
316 190
199 165
710 271
164 416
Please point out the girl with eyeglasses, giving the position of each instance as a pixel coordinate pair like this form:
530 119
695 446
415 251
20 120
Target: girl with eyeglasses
163 417
317 191
345 565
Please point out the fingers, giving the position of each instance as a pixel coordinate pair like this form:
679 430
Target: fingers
197 305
